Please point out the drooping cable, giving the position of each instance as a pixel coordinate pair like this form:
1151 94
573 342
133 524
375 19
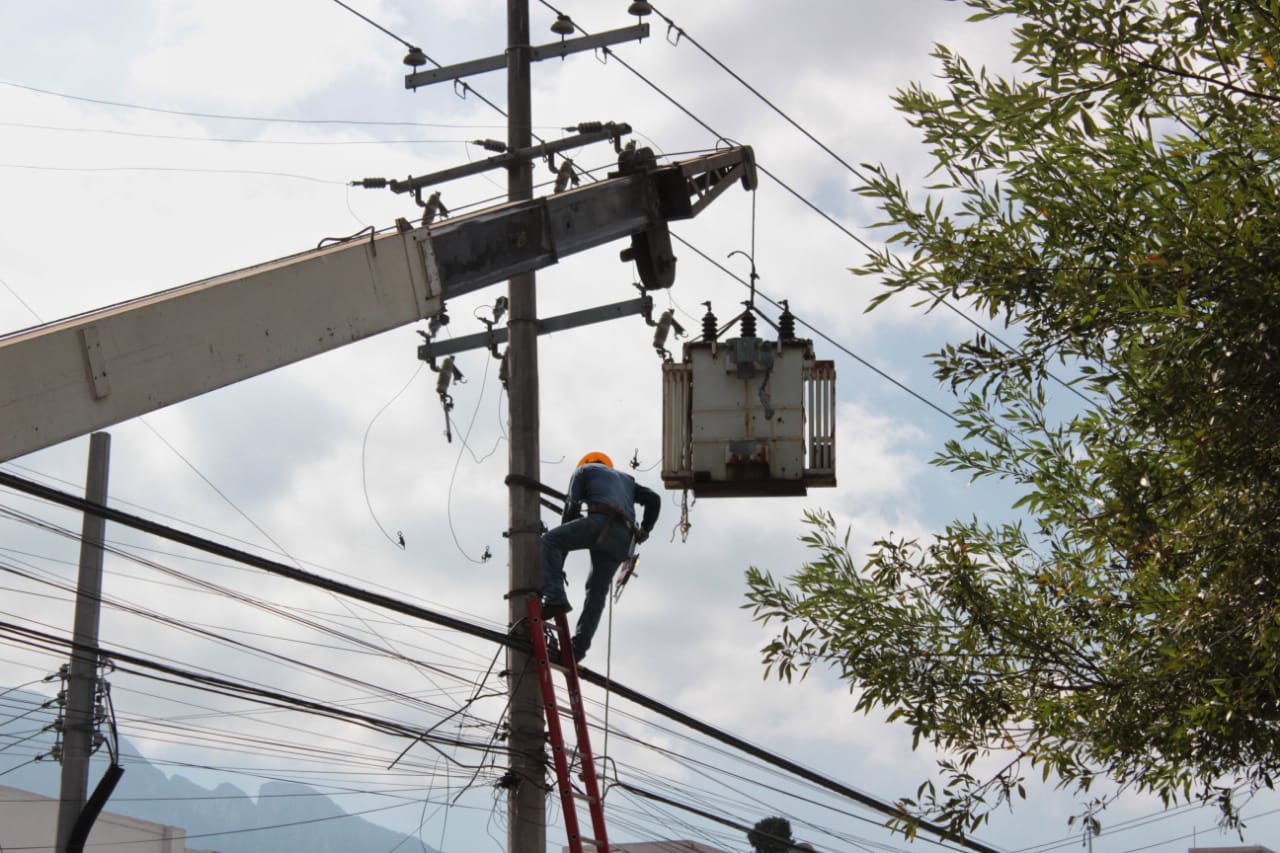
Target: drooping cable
506 639
398 539
224 116
484 558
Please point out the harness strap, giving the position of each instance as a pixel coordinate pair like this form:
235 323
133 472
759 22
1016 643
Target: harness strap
614 514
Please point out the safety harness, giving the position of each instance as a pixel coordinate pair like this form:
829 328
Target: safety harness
614 515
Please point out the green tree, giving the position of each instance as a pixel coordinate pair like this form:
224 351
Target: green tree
771 835
1115 203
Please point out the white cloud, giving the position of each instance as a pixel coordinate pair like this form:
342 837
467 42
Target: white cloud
286 449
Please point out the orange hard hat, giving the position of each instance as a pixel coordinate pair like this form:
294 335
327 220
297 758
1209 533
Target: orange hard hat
596 456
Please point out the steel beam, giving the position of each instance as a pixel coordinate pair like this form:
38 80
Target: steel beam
553 50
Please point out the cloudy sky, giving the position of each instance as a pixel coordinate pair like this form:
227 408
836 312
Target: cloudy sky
148 143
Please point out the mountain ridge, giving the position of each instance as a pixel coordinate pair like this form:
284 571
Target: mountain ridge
282 816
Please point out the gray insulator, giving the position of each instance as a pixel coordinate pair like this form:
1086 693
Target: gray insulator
708 325
787 323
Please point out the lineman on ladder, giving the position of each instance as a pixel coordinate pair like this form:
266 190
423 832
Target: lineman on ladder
607 530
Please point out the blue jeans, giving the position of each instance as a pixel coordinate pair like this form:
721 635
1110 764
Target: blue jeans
607 552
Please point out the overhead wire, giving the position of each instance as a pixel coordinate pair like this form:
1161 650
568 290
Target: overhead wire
821 334
466 87
794 192
374 23
453 476
504 639
771 300
225 140
168 673
474 697
230 117
398 540
190 170
684 35
232 563
373 689
256 649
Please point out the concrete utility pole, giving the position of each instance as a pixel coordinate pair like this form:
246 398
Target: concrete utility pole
82 679
526 803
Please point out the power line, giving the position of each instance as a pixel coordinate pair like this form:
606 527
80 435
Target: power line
169 673
186 170
791 190
867 364
413 48
371 21
225 116
396 605
235 140
269 608
682 34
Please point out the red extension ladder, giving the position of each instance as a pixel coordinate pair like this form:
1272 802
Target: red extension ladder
552 710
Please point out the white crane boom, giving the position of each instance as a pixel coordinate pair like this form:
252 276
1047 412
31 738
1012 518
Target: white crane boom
83 373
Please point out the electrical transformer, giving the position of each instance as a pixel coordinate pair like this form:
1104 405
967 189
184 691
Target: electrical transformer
748 417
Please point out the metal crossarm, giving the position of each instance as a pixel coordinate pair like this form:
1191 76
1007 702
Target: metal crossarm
556 735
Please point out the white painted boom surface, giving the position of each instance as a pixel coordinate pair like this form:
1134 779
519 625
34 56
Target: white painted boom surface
77 375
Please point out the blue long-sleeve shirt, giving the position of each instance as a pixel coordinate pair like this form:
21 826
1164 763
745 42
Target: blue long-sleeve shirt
599 484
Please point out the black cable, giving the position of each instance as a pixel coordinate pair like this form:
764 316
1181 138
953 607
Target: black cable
369 20
681 33
209 586
19 766
702 813
180 169
167 673
506 639
222 564
801 198
804 200
238 141
819 332
221 116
